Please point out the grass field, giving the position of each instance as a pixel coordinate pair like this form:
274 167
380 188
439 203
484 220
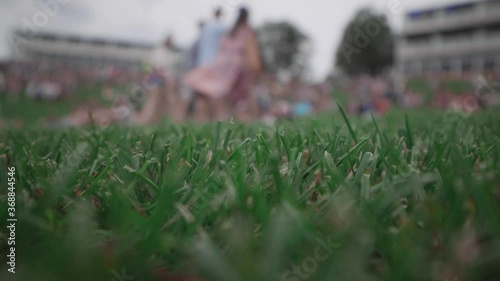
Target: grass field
35 112
413 197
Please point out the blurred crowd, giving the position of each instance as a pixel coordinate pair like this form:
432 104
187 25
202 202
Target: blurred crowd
378 95
43 82
368 94
476 92
219 77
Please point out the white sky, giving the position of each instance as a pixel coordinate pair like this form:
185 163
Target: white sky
151 20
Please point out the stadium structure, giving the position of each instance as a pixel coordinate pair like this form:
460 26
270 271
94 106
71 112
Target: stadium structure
57 49
457 39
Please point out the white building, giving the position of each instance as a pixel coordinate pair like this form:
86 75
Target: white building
456 39
52 48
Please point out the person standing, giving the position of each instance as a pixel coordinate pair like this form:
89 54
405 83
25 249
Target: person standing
161 83
208 47
193 55
192 61
228 79
210 39
251 65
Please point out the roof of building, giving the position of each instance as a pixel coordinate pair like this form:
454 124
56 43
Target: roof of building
450 7
47 35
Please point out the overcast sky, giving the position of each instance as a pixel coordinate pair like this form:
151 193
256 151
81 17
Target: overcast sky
151 20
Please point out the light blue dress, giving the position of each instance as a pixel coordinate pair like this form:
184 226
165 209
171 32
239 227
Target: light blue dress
210 40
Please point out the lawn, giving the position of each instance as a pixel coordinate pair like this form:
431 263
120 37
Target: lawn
403 197
35 112
453 86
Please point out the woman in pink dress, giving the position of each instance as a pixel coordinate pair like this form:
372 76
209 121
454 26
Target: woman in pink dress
228 79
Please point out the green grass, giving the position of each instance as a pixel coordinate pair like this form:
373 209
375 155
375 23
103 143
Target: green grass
396 198
458 87
422 87
31 111
454 86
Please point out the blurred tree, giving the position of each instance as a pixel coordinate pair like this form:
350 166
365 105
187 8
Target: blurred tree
285 49
367 45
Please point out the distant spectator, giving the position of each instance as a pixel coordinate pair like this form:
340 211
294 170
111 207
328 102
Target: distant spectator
192 61
262 93
2 82
380 103
167 59
211 38
193 56
43 88
412 100
162 83
443 97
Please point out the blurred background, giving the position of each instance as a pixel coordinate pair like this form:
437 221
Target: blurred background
74 62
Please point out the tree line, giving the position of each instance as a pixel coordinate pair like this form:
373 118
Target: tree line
367 46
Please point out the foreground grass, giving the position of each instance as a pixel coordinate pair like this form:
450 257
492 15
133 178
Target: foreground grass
313 199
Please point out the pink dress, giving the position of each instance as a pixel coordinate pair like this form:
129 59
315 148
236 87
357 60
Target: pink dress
224 75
